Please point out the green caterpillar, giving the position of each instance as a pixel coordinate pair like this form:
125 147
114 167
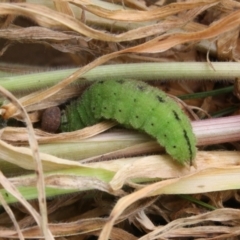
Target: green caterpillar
137 105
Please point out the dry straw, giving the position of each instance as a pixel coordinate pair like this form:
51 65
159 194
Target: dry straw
119 185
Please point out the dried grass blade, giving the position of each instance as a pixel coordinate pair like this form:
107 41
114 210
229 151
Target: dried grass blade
208 180
167 41
140 16
37 164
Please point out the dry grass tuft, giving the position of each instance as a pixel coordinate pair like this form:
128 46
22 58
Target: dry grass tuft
118 184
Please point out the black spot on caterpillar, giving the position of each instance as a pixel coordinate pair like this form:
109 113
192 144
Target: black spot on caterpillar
138 105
